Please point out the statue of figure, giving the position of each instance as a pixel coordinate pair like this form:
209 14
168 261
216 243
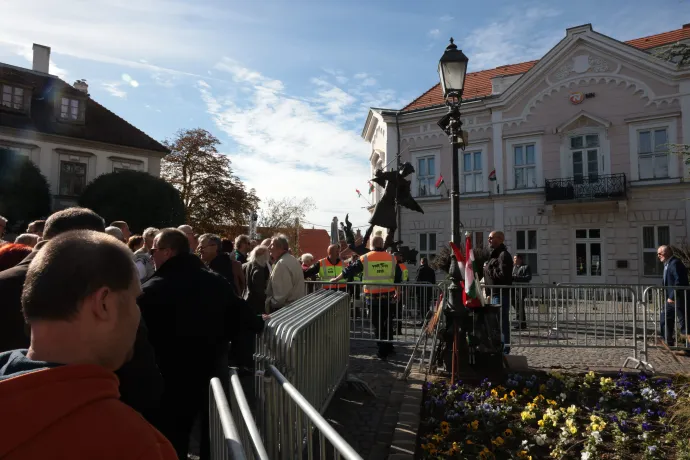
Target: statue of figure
397 191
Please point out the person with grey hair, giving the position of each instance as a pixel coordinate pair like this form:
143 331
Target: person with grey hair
242 248
256 273
116 233
210 251
27 239
287 277
189 232
142 256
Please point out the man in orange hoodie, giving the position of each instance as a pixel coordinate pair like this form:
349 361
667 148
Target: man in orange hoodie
60 397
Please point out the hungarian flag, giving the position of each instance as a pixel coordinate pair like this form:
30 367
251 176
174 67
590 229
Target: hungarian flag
359 194
371 187
440 181
492 175
468 266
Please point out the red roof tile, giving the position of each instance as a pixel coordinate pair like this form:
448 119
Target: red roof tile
478 84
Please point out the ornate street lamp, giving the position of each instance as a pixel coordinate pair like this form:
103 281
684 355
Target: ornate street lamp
452 69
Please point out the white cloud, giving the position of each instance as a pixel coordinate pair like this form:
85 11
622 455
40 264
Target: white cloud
446 18
503 41
361 76
114 88
291 146
434 33
369 81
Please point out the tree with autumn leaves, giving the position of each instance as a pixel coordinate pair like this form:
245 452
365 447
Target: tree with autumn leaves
215 200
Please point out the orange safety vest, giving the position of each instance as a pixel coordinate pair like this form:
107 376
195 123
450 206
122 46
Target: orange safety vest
327 271
379 268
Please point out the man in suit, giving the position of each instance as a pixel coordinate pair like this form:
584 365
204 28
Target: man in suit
675 276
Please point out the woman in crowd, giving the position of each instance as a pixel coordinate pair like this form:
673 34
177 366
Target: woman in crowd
135 242
11 254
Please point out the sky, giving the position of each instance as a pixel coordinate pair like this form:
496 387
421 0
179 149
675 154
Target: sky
286 84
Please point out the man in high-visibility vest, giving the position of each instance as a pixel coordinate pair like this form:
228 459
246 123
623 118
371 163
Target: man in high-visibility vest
403 267
327 268
379 272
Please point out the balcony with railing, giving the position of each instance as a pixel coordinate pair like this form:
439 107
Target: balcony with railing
593 187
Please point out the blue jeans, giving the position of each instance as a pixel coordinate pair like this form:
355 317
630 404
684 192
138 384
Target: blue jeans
504 300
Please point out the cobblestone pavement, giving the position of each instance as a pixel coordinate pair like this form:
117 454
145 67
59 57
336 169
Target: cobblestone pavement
368 422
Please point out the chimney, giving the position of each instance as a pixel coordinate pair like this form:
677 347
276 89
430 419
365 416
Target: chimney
41 58
686 26
81 85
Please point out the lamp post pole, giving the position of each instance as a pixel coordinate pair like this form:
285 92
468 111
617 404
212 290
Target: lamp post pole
452 70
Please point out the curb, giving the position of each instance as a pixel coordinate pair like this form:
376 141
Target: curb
404 440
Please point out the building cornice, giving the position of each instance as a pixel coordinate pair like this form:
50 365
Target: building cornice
36 136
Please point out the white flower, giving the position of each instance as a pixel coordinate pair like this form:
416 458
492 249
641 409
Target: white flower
597 437
562 396
585 455
524 442
540 439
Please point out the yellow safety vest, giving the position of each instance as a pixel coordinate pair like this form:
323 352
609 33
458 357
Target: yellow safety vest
379 268
328 271
405 272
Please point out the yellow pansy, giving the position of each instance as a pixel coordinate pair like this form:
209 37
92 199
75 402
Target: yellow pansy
494 393
540 423
475 425
469 442
498 441
508 432
512 393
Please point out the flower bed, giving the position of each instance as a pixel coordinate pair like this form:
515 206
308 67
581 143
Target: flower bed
557 416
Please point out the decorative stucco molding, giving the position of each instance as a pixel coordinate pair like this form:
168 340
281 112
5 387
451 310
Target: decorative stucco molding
641 89
582 64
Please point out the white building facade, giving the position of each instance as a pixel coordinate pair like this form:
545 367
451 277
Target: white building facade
585 186
69 136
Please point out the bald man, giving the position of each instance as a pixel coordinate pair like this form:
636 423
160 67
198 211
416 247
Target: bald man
498 271
328 268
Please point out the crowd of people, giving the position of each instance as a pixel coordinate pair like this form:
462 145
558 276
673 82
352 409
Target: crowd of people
108 340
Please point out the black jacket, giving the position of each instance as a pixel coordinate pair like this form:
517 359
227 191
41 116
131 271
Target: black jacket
14 334
426 274
141 384
192 313
499 268
522 274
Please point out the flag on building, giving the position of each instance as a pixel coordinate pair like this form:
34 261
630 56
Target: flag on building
492 175
440 181
371 187
359 194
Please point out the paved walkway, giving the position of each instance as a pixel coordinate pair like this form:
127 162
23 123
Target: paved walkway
368 422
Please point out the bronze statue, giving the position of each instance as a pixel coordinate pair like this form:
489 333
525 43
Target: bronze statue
397 192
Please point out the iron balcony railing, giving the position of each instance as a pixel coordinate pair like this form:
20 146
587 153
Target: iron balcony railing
592 187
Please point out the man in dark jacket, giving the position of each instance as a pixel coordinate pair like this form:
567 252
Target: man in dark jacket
425 275
675 279
210 251
141 384
522 274
498 271
191 313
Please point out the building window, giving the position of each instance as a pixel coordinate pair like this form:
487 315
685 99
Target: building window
588 252
524 157
477 239
585 154
652 238
72 178
472 172
526 244
12 97
69 109
427 246
426 176
652 153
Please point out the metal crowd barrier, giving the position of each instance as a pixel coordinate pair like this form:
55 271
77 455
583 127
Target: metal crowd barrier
296 420
249 435
582 316
226 443
309 342
393 316
664 323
